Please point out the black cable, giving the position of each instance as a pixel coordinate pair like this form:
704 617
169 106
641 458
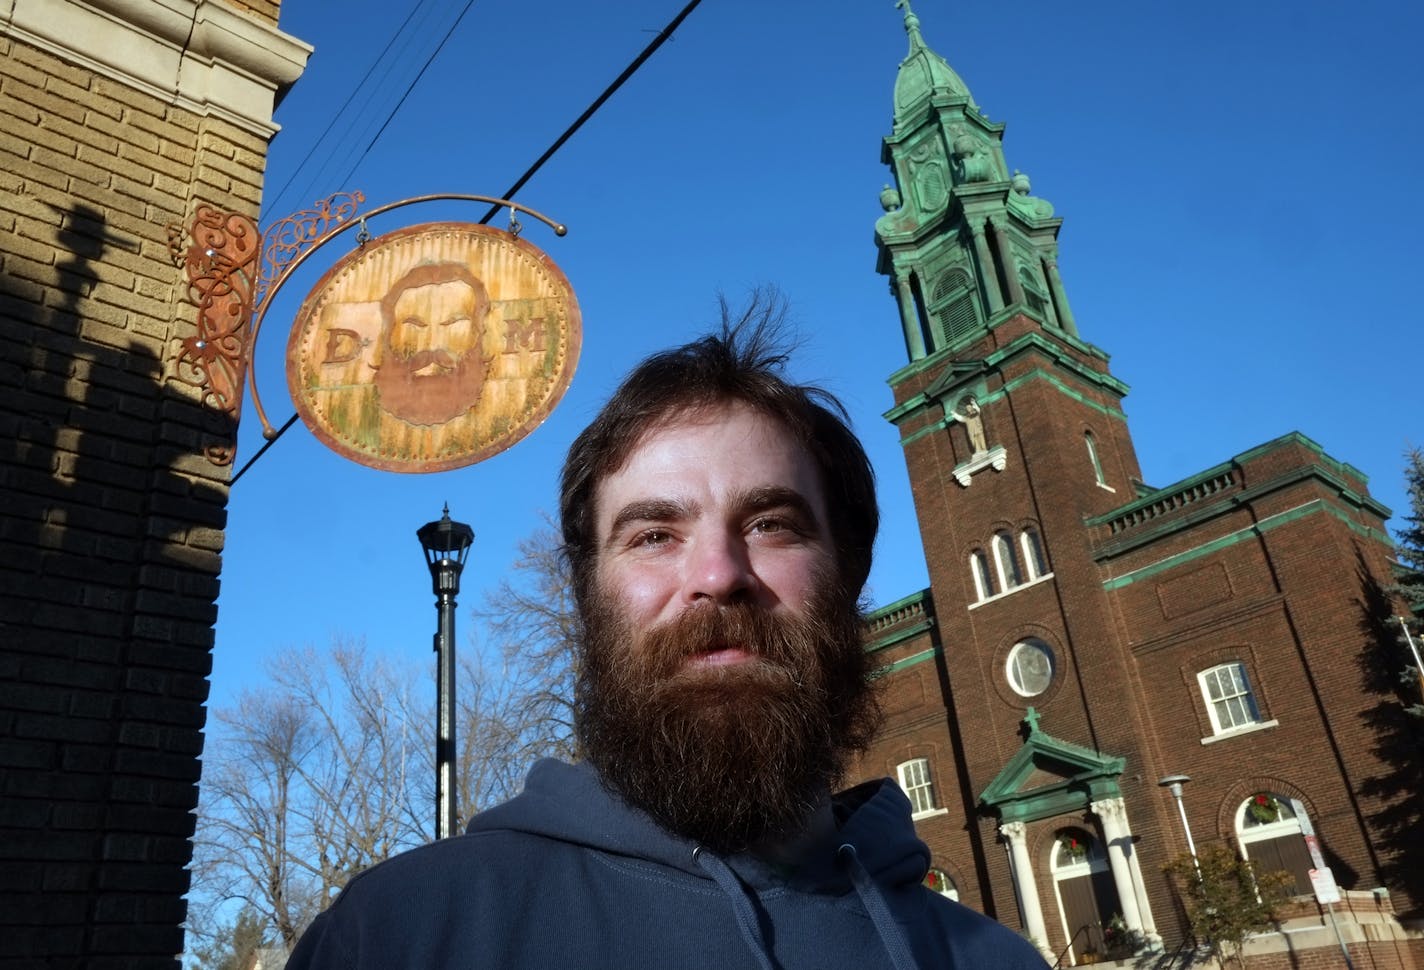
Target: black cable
423 68
347 103
265 445
509 193
411 35
607 93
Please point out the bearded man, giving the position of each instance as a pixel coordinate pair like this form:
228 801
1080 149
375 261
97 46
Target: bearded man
718 522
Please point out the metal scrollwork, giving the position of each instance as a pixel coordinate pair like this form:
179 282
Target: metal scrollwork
220 261
300 230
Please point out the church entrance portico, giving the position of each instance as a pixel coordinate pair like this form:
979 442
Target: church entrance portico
1066 827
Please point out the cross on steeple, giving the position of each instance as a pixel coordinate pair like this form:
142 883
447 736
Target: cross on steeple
1031 719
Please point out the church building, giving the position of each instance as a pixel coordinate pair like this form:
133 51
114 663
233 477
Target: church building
1103 673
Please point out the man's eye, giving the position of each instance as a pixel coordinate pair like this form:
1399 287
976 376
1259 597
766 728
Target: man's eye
770 525
652 537
414 322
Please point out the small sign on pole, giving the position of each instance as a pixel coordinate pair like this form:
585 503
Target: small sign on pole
1307 831
1323 882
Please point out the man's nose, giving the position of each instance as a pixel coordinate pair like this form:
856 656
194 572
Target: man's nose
422 337
719 570
409 340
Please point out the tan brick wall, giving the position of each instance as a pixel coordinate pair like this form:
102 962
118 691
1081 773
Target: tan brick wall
111 519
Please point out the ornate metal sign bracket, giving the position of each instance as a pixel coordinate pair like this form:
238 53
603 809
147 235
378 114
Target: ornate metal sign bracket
234 270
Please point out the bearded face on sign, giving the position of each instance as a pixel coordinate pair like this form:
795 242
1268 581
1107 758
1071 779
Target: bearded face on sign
432 366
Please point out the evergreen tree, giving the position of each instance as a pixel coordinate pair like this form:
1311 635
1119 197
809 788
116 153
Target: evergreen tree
1389 672
1410 548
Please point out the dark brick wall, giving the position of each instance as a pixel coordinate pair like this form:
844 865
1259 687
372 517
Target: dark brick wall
1265 564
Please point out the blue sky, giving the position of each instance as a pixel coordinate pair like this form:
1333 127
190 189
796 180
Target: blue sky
1240 234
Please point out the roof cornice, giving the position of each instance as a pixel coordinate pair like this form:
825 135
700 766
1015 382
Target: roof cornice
201 55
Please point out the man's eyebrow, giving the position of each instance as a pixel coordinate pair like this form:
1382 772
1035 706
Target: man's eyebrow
648 510
777 496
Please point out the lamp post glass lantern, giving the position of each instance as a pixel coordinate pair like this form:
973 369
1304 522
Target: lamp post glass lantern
447 546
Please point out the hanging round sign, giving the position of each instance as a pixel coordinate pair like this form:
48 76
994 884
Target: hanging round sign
433 347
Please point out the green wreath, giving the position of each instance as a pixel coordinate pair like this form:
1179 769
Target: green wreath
1072 849
1264 808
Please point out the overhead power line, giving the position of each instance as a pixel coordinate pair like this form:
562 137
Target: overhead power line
397 36
406 94
628 72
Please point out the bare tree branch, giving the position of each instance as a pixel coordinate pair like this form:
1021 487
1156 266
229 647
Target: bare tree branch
329 768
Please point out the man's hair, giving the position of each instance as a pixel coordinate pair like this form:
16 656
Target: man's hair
432 274
740 364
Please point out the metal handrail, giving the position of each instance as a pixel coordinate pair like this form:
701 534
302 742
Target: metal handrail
1071 940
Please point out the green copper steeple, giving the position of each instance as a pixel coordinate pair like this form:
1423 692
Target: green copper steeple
964 242
923 72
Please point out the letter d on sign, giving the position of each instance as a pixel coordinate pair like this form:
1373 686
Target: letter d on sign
341 345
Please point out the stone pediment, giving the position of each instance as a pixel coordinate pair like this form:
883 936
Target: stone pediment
955 376
1049 776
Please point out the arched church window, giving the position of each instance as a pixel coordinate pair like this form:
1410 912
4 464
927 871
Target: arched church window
1272 837
1034 296
938 880
952 306
914 777
1093 457
1034 560
1230 702
983 575
1007 560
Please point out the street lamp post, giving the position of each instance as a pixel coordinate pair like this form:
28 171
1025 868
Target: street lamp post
446 544
1173 783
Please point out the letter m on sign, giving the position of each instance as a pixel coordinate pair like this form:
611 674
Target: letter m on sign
527 334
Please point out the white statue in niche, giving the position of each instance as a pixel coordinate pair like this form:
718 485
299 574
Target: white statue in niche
971 416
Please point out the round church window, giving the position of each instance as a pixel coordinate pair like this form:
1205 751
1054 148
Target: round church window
1030 667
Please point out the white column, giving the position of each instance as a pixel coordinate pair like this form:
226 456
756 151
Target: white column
1022 866
1110 812
1122 860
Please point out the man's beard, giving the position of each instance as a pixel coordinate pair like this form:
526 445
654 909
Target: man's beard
731 755
430 398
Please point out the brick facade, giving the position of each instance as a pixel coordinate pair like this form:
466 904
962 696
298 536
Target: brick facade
111 518
1040 535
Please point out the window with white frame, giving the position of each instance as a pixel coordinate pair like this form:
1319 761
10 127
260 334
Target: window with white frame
1029 667
1033 553
1007 561
915 780
1093 457
1229 700
983 575
939 881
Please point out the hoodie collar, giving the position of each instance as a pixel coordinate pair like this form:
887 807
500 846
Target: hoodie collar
569 803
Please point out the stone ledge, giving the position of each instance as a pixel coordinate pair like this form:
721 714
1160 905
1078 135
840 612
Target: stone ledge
200 55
